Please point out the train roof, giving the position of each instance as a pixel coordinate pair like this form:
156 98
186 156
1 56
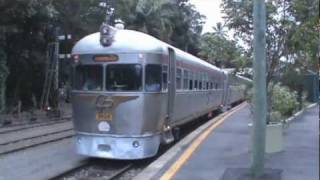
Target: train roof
130 41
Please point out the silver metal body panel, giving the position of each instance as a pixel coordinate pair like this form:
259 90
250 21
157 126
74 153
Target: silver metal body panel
133 42
114 147
139 116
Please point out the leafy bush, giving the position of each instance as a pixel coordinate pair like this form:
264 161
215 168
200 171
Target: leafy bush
283 100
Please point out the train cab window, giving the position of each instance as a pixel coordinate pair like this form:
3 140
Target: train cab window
124 77
88 78
185 80
164 77
153 78
178 78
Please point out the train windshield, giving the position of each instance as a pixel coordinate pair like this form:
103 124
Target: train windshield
88 78
153 78
124 77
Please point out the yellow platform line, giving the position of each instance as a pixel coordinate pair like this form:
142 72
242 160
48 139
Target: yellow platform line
188 152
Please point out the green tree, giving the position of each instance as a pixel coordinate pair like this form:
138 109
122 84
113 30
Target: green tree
77 17
292 30
175 22
292 34
220 51
219 30
26 31
239 18
151 17
3 77
303 38
29 26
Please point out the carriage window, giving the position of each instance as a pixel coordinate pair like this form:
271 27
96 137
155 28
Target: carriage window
178 78
88 78
185 79
164 77
200 80
211 85
124 77
190 81
205 82
153 78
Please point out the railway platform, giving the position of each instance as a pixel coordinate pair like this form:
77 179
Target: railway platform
225 144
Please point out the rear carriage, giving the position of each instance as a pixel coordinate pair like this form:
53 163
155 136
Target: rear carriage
129 94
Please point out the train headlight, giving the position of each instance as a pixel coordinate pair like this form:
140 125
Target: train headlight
135 144
104 126
76 58
106 35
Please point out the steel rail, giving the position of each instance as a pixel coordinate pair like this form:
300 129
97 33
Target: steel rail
20 127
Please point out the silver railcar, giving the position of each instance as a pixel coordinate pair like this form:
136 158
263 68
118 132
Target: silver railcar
128 96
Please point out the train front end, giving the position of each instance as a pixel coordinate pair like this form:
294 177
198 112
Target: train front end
108 102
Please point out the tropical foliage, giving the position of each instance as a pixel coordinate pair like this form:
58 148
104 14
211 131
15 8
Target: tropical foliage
30 25
217 49
292 39
176 22
284 102
292 31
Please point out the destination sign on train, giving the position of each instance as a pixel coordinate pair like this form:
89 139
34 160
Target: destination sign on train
106 58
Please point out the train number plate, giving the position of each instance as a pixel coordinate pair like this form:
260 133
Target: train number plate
104 116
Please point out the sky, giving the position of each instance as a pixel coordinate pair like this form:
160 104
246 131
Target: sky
211 9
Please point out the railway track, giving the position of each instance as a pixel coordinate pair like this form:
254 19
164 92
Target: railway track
99 169
104 169
22 138
20 127
94 169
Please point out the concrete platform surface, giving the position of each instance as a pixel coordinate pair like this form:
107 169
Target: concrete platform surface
227 147
40 162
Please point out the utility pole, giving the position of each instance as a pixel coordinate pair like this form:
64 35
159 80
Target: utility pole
260 90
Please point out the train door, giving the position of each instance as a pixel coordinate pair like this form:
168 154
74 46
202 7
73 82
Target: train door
171 85
225 90
167 132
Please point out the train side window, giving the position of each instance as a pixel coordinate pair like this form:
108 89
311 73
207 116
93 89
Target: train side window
164 77
217 85
178 78
200 80
196 83
206 81
185 79
211 85
153 78
190 80
88 78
